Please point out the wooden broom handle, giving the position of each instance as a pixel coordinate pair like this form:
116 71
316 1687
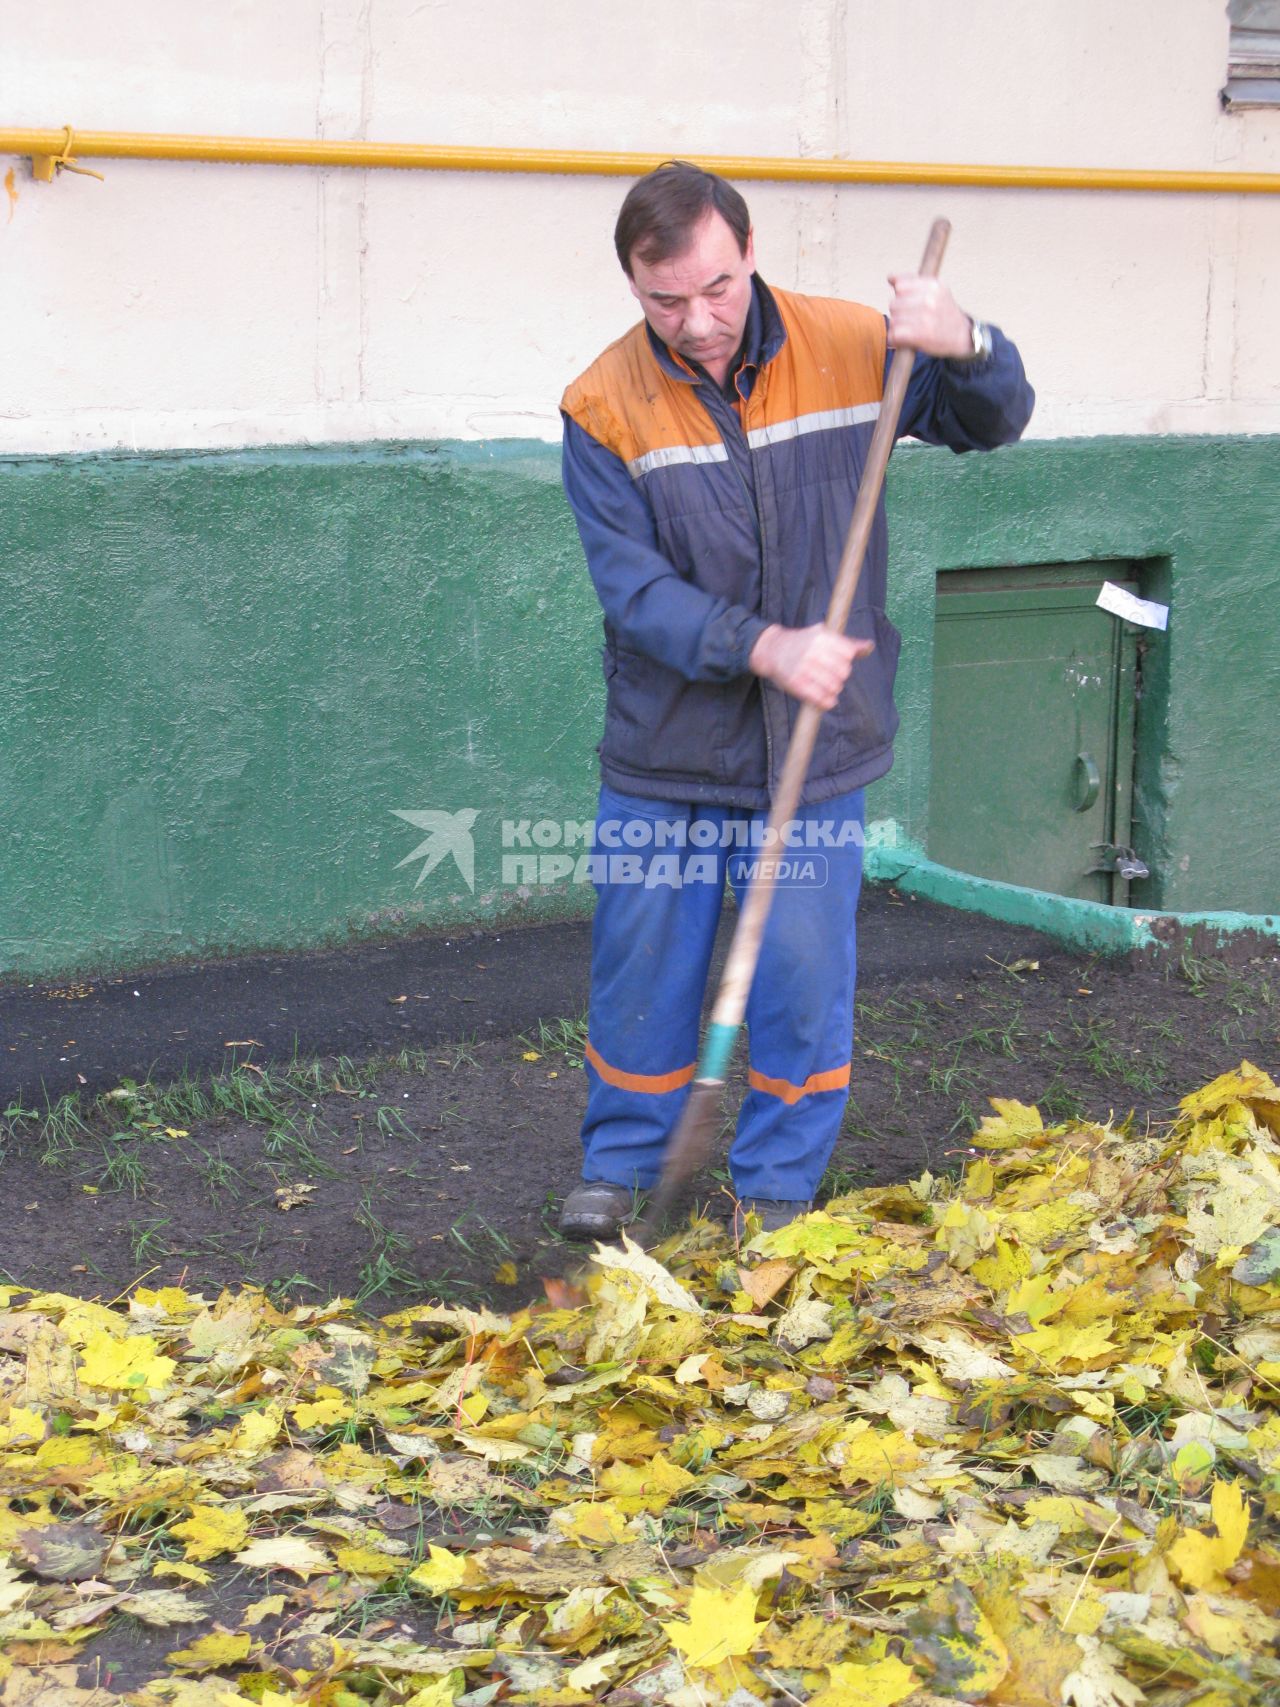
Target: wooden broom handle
744 951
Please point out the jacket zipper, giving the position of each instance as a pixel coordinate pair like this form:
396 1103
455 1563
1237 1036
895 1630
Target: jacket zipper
735 425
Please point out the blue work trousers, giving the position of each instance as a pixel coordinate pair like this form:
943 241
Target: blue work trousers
661 868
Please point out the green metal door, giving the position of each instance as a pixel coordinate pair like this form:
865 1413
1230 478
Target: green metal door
1033 716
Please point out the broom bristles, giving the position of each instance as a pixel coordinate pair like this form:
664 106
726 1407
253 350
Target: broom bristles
688 1151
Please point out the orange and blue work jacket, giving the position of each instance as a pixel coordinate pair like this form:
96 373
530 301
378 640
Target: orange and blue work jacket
708 514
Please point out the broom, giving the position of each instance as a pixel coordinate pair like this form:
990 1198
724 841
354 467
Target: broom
695 1132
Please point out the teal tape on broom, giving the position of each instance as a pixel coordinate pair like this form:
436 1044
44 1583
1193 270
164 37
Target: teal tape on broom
717 1051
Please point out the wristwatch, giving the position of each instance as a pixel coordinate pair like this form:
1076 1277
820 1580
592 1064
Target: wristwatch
982 344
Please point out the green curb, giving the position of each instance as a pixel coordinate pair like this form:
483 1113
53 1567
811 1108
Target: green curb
1089 925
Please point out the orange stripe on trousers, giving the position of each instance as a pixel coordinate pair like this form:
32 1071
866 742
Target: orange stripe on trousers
654 1083
836 1079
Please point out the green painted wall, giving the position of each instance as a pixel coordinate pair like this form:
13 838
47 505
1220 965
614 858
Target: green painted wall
226 673
1202 515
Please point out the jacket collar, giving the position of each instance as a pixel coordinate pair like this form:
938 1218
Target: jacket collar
763 338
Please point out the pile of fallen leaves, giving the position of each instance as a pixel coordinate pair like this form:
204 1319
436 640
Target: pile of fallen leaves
1013 1437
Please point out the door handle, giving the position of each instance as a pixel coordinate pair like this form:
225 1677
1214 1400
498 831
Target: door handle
1088 781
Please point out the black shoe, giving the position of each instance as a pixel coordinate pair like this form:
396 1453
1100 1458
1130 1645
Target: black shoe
596 1210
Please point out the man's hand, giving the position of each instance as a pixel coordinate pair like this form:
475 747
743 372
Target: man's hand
924 316
811 664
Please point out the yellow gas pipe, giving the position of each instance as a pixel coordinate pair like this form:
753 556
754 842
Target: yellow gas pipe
50 150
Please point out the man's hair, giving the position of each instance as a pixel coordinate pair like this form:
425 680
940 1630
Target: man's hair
664 209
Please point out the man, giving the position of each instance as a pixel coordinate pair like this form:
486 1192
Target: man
712 457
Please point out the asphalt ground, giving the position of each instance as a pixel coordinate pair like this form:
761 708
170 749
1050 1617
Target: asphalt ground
364 998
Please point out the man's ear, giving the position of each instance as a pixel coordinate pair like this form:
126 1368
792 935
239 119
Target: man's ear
631 286
749 253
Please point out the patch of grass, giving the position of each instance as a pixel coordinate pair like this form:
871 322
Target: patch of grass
947 1077
549 1216
968 1118
995 1039
283 1141
57 1131
147 1243
218 1173
855 1123
841 1179
1216 979
282 1289
1165 1031
392 1123
460 1054
307 1076
124 1169
480 1241
564 1037
1099 1050
385 1267
1095 1047
180 1102
227 1251
411 1061
1058 1102
447 1286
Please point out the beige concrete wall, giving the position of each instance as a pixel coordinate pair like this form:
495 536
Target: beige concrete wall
190 305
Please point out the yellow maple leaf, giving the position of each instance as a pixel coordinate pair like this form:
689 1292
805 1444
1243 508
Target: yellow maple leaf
21 1427
284 1553
954 1637
188 1573
880 1684
838 1518
125 1365
1059 1342
811 1643
1004 1268
440 1693
964 1232
873 1456
1243 1084
212 1529
220 1648
1199 1559
645 1487
270 1606
1013 1124
595 1523
322 1413
161 1606
1039 1656
257 1430
1033 1297
366 1562
593 1671
440 1571
719 1625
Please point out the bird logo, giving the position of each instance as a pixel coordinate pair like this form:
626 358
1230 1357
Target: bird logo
447 833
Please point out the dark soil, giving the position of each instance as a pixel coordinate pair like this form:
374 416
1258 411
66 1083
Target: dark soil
398 1121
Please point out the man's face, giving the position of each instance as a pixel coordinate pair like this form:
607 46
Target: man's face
697 302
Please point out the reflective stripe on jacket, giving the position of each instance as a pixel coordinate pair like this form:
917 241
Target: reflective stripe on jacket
704 521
